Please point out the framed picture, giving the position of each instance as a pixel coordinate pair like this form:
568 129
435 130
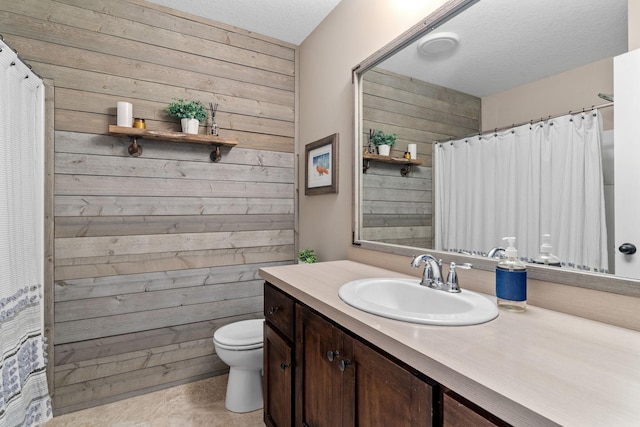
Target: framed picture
321 167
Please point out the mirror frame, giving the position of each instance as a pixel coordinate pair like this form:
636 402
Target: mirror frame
595 281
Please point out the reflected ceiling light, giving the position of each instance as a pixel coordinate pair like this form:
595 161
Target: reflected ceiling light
438 44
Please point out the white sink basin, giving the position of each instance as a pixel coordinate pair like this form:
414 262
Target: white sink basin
407 300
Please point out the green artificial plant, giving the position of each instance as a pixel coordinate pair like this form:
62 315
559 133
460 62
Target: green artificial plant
187 109
308 256
381 138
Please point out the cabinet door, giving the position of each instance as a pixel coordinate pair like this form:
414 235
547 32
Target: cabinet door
320 356
458 412
277 380
386 394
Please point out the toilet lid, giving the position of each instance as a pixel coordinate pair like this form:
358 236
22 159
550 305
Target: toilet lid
245 333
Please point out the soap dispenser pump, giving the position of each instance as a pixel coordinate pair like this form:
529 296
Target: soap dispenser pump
511 280
545 256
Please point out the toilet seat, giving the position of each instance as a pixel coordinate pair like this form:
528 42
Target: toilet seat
242 335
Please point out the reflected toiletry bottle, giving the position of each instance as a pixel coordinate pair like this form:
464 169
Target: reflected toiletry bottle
545 256
511 280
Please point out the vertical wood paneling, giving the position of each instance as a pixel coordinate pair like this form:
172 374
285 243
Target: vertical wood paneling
150 255
398 209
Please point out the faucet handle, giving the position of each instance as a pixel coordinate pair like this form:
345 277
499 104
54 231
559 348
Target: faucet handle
452 278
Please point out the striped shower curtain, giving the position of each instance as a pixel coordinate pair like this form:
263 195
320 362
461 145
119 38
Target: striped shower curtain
535 179
24 398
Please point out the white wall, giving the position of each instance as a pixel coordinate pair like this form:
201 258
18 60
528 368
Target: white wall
350 34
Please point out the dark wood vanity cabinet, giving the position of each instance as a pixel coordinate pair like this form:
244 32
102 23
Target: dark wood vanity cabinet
459 412
340 380
277 379
278 358
387 394
324 372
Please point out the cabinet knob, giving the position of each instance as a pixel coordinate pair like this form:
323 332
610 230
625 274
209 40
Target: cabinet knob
331 355
272 310
284 366
344 363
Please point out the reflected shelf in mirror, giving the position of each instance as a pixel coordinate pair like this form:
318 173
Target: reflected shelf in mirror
407 163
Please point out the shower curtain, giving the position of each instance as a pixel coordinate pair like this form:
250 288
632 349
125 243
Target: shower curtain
24 398
535 179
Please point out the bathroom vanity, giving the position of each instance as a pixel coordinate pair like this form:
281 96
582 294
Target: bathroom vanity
327 363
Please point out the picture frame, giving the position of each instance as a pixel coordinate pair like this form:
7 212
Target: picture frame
321 166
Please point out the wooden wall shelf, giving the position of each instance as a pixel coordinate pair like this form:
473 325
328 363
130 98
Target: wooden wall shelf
135 149
404 171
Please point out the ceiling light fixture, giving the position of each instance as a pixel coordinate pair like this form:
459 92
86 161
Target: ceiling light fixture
438 44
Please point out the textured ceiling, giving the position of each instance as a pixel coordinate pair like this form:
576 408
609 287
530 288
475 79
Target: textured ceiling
287 20
507 43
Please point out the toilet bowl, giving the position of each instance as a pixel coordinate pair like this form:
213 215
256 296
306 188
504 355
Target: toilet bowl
239 345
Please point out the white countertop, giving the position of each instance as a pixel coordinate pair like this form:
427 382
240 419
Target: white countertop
537 368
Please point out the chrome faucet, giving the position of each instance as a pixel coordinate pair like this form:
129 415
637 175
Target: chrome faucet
432 276
496 252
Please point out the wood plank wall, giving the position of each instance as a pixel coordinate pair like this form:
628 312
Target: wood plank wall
398 209
152 254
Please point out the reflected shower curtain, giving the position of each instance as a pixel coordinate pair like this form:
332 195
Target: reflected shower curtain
535 179
24 398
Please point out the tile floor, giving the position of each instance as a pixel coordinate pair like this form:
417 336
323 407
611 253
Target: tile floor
189 405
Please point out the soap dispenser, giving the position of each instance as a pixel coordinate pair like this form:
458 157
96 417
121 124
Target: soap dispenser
545 256
511 280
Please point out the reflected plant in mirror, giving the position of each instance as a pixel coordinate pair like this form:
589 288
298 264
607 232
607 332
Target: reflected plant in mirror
473 101
383 141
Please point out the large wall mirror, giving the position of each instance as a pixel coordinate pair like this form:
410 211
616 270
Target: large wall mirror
480 68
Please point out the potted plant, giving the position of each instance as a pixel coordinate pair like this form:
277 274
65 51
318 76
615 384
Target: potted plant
190 113
307 256
383 141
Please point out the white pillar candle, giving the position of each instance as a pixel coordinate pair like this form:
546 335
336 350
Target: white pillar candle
413 150
125 114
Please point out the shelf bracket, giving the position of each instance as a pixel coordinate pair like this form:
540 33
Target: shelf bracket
135 150
406 170
365 166
216 155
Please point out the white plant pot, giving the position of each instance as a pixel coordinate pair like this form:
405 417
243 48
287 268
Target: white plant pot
384 150
190 126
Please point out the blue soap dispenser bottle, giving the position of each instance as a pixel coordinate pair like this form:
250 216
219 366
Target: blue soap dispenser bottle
511 280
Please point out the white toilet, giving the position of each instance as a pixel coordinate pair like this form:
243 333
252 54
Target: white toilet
239 345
